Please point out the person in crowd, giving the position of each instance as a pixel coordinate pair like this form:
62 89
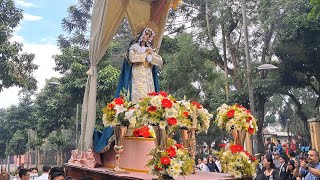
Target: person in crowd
309 168
45 174
291 155
276 161
279 147
293 146
302 144
285 146
34 173
282 168
56 173
218 164
204 165
4 174
270 172
212 165
199 162
269 147
24 174
16 175
290 169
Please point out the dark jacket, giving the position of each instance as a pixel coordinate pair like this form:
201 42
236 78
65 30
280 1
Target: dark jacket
283 171
213 167
275 176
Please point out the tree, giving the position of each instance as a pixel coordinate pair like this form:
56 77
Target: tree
16 68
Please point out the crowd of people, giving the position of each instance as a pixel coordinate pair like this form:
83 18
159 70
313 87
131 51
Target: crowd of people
286 161
209 164
48 173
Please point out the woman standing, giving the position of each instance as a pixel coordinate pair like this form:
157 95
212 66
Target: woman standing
270 172
4 175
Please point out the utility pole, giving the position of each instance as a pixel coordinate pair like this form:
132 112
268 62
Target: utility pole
77 126
249 73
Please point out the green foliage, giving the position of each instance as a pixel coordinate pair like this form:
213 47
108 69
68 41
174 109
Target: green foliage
315 11
16 68
18 142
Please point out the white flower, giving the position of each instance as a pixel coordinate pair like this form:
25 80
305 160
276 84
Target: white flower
128 115
163 124
119 109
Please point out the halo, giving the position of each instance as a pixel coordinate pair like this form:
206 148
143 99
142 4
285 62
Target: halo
147 24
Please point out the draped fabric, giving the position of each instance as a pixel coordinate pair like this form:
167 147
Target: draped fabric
106 18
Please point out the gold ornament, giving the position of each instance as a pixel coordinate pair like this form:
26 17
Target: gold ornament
174 4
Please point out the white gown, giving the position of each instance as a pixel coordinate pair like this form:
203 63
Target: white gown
142 80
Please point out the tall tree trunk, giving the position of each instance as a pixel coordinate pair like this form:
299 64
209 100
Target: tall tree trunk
261 111
225 60
300 112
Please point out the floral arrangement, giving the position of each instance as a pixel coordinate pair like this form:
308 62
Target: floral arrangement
157 109
236 117
144 131
172 162
237 162
118 112
193 115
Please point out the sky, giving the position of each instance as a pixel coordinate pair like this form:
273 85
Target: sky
38 31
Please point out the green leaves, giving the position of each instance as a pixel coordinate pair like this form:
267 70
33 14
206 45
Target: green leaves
16 68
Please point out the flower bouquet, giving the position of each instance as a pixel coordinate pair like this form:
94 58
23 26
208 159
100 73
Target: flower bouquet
172 162
235 117
144 131
193 115
157 109
237 162
118 112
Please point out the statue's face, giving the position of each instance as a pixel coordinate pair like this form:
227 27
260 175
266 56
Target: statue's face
147 36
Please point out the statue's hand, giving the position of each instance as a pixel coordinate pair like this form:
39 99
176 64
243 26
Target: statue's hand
149 50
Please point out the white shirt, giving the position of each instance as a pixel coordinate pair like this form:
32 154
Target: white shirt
44 176
204 167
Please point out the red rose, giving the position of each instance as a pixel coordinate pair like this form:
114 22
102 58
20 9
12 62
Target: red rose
166 103
247 153
110 105
250 130
196 104
162 93
253 158
179 146
185 114
222 145
248 111
118 101
236 148
249 119
152 94
157 168
230 113
171 151
165 160
146 134
172 121
152 108
136 133
145 128
239 106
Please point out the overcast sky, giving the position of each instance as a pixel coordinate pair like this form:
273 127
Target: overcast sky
38 31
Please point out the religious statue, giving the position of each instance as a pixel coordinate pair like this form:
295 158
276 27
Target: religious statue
139 72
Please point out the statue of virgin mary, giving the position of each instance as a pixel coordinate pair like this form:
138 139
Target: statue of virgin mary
139 72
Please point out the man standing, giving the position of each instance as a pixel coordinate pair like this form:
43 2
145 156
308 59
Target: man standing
310 170
283 168
276 160
24 174
45 174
